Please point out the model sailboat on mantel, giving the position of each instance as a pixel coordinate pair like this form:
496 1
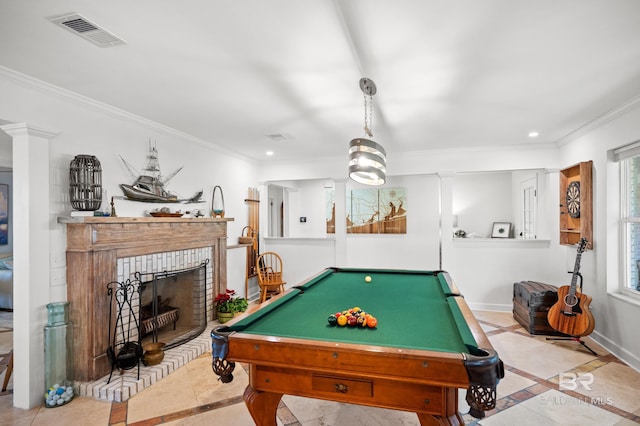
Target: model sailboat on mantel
150 185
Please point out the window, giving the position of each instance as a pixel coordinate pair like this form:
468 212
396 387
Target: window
629 159
529 206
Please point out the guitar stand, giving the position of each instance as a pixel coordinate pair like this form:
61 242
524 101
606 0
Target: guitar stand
575 339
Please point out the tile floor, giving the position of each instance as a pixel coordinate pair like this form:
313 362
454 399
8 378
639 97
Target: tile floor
605 392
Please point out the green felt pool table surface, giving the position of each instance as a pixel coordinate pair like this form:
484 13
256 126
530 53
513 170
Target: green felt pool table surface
414 309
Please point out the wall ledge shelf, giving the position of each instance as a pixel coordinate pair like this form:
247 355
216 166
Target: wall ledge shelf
500 242
293 239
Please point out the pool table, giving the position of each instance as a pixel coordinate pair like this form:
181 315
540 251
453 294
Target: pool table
426 345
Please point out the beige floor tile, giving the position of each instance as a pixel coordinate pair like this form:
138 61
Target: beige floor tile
463 407
171 394
306 409
626 422
539 358
315 412
567 410
487 328
502 319
512 383
191 421
552 408
389 417
518 415
9 415
206 386
612 383
80 412
233 415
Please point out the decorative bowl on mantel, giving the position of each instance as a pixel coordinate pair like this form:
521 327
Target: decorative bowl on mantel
163 214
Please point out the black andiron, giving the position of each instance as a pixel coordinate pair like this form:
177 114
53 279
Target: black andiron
124 353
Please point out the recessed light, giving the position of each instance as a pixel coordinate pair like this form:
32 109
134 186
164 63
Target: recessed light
533 134
269 153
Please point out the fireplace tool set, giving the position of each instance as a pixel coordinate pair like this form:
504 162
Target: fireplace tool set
124 353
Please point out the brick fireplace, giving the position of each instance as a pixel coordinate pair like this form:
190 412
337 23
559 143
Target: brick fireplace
103 250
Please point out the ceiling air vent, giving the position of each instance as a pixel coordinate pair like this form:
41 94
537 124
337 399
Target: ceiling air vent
86 29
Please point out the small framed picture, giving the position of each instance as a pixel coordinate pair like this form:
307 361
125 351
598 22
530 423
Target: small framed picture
501 230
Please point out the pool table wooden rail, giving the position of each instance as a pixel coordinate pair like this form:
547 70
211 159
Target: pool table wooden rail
423 366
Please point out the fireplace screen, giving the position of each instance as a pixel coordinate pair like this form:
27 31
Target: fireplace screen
173 307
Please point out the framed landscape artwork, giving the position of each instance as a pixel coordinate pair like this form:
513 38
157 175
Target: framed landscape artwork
4 214
377 211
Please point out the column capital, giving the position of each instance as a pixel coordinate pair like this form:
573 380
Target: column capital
18 129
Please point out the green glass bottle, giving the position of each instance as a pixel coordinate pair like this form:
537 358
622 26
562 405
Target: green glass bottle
58 356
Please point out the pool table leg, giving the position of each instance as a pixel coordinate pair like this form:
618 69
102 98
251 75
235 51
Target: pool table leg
262 406
451 416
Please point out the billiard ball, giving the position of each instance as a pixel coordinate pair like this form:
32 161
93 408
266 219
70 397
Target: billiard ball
367 279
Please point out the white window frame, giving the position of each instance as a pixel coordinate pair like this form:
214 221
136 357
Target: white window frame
621 155
529 189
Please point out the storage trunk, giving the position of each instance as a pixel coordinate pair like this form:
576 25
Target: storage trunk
531 303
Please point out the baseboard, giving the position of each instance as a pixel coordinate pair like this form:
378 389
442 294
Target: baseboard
490 307
622 354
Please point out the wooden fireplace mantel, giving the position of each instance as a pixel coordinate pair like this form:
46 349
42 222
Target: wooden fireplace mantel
93 246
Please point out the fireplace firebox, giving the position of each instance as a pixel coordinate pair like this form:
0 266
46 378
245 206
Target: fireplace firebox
173 305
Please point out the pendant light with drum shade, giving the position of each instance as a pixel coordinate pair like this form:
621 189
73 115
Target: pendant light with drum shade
367 159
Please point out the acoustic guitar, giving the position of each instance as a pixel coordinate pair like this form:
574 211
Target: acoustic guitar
571 314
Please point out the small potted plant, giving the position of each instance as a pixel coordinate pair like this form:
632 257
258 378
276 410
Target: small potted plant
227 305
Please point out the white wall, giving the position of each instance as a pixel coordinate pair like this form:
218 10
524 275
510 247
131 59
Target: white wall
302 257
308 200
419 247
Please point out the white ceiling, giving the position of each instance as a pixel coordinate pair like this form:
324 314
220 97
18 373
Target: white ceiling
450 74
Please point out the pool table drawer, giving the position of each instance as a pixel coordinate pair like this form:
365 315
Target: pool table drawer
331 384
381 392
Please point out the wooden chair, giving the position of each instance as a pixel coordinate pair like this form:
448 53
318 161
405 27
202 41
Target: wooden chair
269 266
7 361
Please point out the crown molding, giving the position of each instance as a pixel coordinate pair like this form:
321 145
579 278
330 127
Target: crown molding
601 120
50 89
